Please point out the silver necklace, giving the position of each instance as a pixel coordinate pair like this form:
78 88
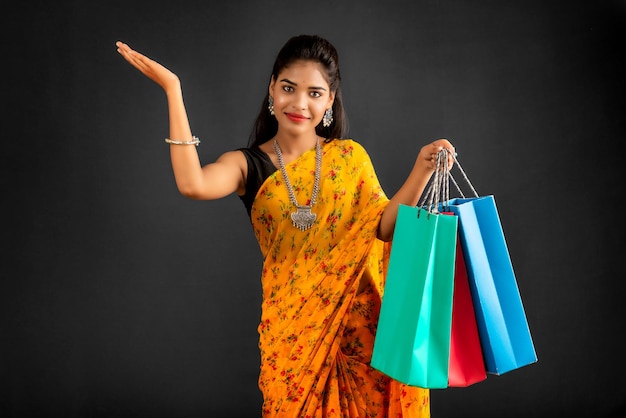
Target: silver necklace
302 218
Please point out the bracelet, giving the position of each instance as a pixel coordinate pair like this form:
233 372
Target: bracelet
194 141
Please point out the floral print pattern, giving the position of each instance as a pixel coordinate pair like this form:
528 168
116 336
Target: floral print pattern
322 290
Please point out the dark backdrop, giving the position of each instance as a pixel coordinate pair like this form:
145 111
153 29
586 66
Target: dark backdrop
121 298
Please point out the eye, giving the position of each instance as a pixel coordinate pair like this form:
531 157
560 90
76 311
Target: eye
315 94
287 88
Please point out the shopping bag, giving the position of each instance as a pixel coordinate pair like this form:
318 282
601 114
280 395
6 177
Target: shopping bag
467 365
412 342
502 325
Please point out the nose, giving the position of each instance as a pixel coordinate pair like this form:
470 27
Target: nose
301 101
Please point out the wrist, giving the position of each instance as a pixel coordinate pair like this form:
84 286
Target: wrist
421 168
173 89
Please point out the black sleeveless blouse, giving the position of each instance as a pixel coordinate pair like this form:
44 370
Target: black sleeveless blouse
260 167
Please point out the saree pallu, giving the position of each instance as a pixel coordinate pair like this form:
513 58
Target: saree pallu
321 293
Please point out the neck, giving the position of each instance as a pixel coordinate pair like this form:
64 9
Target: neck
296 145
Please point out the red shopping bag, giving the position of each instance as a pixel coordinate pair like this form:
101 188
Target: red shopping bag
467 365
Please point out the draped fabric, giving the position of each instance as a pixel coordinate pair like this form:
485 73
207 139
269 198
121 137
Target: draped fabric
321 293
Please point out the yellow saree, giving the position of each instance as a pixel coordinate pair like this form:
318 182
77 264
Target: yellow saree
321 293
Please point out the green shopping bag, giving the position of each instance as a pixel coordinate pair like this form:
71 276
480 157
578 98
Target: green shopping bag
412 343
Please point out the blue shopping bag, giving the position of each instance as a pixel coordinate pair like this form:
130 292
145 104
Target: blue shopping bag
500 316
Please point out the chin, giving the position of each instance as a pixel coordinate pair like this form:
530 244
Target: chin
298 129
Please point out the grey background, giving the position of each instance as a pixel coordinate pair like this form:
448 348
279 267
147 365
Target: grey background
121 298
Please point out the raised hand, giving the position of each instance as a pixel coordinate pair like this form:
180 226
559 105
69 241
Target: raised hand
148 67
428 154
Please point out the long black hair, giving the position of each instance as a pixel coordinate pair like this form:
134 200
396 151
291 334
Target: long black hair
308 48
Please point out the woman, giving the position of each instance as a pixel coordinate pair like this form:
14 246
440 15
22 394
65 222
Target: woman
323 224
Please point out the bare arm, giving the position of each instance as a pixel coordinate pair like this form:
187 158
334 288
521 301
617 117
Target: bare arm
412 188
213 181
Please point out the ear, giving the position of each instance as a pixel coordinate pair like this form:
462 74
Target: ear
331 99
271 86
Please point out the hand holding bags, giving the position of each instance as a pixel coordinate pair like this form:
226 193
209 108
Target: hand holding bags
503 329
429 336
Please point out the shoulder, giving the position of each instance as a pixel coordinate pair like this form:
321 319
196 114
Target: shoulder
233 157
234 160
349 148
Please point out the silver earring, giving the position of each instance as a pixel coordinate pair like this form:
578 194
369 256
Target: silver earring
270 105
328 118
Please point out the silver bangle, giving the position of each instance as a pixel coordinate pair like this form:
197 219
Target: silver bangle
194 141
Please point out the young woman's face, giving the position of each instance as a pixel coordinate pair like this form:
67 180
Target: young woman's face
301 96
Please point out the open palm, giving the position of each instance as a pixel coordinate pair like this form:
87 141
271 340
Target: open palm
150 68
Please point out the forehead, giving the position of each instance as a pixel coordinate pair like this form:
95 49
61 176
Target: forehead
305 72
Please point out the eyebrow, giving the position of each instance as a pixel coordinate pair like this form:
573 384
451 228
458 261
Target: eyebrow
286 80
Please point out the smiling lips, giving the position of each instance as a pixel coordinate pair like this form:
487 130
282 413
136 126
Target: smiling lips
296 117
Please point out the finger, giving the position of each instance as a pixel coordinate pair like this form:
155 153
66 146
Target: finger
442 143
432 161
132 59
130 54
136 59
122 47
125 51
